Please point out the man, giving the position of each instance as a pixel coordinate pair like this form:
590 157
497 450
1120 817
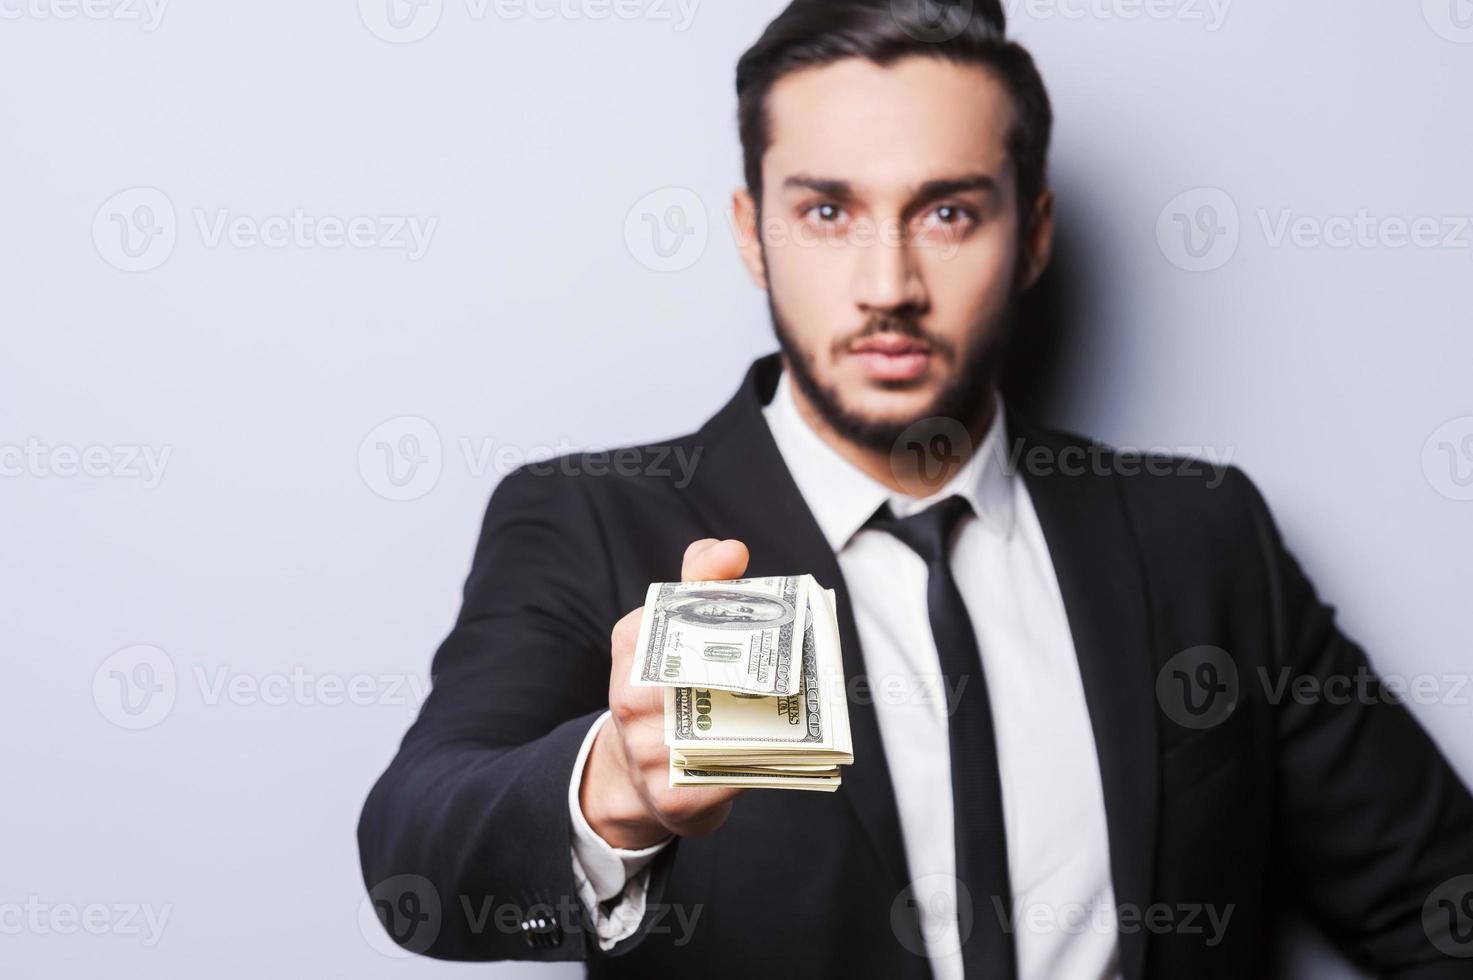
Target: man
1065 761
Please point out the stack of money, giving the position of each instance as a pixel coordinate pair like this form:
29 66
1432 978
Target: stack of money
753 679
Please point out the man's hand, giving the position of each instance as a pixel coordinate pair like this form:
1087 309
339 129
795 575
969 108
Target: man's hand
626 796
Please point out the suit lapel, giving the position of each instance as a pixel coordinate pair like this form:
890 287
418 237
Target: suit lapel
1097 564
747 492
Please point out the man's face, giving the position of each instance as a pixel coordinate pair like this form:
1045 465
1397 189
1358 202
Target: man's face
889 239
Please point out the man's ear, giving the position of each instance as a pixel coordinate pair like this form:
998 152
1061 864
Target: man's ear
744 221
1039 245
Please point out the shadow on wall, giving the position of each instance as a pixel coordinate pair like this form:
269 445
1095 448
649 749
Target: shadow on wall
1051 319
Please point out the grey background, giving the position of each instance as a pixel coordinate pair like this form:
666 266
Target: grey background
533 323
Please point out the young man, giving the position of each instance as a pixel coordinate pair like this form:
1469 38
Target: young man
1064 763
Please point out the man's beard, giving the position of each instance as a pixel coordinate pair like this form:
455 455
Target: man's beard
962 399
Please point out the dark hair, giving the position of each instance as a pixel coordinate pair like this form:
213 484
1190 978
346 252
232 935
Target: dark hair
820 32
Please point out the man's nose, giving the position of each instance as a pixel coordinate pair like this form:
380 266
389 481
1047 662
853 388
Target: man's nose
886 276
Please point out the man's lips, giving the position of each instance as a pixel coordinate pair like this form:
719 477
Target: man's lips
892 344
891 358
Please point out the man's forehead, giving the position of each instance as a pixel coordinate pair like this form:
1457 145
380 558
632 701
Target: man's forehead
916 120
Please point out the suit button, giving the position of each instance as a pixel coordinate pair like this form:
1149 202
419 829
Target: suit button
542 931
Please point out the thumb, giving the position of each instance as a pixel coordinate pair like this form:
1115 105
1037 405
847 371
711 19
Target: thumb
709 558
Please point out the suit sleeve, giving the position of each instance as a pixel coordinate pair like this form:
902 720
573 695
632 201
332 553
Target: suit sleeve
1375 828
464 840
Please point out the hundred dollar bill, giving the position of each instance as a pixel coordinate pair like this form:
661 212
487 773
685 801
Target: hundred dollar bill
777 779
795 742
738 635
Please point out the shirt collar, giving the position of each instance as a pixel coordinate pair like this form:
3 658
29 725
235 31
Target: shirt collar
842 497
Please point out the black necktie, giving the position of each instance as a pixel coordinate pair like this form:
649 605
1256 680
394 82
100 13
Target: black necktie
981 846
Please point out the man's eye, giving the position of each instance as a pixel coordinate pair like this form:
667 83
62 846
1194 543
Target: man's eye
951 214
827 213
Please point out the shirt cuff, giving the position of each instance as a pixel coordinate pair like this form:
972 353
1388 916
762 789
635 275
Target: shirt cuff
602 871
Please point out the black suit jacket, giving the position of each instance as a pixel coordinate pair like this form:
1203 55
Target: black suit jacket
465 838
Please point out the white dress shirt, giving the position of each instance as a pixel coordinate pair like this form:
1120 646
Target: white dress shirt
1053 802
601 870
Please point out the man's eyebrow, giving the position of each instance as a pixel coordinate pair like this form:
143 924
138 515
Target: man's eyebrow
946 186
930 190
828 186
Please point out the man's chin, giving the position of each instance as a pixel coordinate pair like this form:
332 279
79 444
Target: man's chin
883 403
877 423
